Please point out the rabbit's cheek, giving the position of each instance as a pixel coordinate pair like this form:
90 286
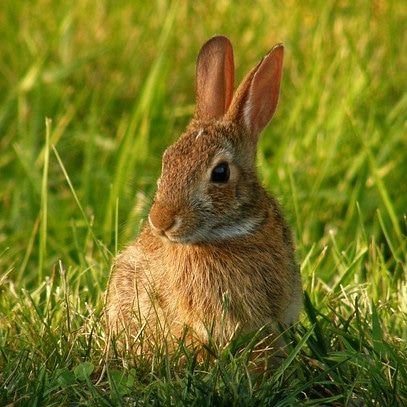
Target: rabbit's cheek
222 197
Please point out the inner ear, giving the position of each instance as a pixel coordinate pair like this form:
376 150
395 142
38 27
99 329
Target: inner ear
214 78
256 98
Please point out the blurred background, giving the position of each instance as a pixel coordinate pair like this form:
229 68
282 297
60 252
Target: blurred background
91 94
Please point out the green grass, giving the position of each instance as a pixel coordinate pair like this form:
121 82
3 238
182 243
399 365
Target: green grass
91 93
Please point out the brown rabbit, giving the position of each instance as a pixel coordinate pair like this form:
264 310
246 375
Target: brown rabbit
216 254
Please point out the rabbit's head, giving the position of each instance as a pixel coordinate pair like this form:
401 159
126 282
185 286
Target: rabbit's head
208 190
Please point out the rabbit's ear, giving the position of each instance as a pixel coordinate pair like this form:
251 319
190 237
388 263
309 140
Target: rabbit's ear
214 78
256 98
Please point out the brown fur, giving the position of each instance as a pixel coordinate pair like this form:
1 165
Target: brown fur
184 270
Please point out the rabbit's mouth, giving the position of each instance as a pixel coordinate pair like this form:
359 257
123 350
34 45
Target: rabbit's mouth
178 228
208 233
183 237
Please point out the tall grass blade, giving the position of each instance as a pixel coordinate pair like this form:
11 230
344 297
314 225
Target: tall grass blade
44 205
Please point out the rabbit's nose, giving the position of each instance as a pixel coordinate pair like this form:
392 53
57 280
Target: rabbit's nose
162 218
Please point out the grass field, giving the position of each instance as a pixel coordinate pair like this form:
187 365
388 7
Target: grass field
91 93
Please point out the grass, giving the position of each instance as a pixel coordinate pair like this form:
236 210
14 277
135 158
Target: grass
93 92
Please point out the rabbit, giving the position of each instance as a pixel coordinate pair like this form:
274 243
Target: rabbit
216 255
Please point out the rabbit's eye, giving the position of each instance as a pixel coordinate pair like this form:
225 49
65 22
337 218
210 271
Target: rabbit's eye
220 174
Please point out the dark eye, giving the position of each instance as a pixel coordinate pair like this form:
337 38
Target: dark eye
220 174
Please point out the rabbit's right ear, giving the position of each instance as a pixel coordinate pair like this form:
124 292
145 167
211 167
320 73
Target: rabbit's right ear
256 98
214 78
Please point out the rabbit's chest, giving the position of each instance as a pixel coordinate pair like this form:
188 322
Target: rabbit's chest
208 287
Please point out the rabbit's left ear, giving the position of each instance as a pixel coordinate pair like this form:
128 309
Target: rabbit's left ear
256 98
214 78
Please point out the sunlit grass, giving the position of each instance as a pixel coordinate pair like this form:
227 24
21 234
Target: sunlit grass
90 95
